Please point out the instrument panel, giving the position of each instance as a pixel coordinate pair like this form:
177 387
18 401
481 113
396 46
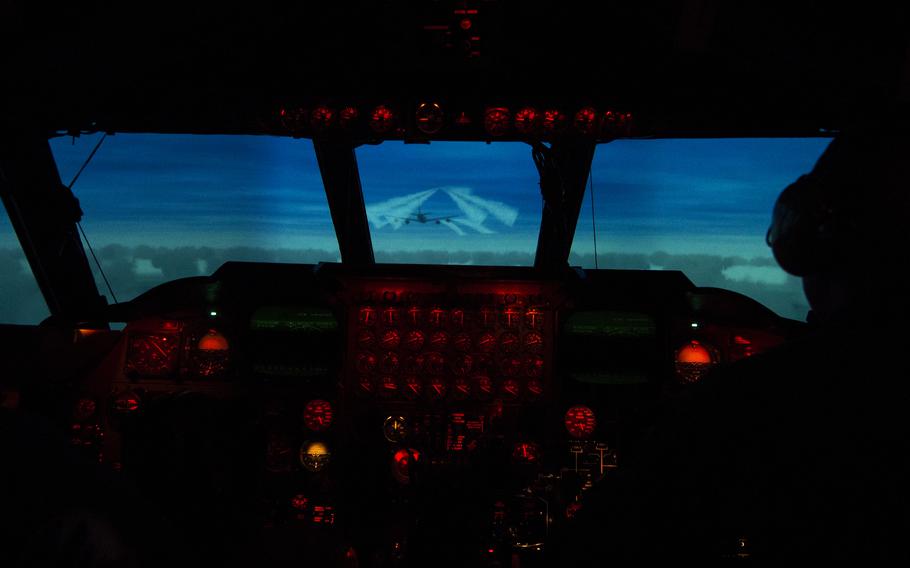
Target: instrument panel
450 342
372 407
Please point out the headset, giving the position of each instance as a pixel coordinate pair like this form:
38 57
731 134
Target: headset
806 233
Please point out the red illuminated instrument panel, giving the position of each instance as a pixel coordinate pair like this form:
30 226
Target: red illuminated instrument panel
412 341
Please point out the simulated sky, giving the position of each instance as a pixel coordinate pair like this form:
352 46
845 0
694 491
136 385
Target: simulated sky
673 195
162 207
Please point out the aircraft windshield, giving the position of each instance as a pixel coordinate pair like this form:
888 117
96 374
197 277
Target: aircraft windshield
452 202
700 206
159 207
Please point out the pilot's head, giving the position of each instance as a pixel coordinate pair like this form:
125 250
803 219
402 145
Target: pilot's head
843 227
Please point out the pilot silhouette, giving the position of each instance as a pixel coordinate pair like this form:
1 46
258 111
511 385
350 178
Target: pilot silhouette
800 453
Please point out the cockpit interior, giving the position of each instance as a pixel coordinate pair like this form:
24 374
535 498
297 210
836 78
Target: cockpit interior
429 365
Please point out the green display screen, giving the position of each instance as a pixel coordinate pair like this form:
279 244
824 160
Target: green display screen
294 318
607 323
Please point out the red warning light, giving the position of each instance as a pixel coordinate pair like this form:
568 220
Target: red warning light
741 348
322 118
694 352
692 361
580 421
465 24
527 121
382 119
402 461
586 121
213 341
497 121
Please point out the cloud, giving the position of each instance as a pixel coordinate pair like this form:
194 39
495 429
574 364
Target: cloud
478 208
758 274
458 231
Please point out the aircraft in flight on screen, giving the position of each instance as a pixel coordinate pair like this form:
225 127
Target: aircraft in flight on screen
475 211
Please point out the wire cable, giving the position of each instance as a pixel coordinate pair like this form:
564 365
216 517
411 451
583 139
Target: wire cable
593 222
79 224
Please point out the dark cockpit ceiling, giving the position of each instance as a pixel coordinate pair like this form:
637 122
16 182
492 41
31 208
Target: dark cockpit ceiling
702 68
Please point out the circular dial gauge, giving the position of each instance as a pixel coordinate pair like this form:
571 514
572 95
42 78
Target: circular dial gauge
365 385
388 386
314 456
486 343
534 318
437 388
511 317
534 342
484 386
486 317
497 121
366 316
434 363
152 355
534 366
365 362
429 118
457 317
389 363
461 389
390 316
461 365
580 421
395 428
439 340
366 339
526 452
526 120
462 342
510 389
511 366
412 387
414 316
317 415
436 317
382 119
390 339
414 340
509 342
413 364
208 364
